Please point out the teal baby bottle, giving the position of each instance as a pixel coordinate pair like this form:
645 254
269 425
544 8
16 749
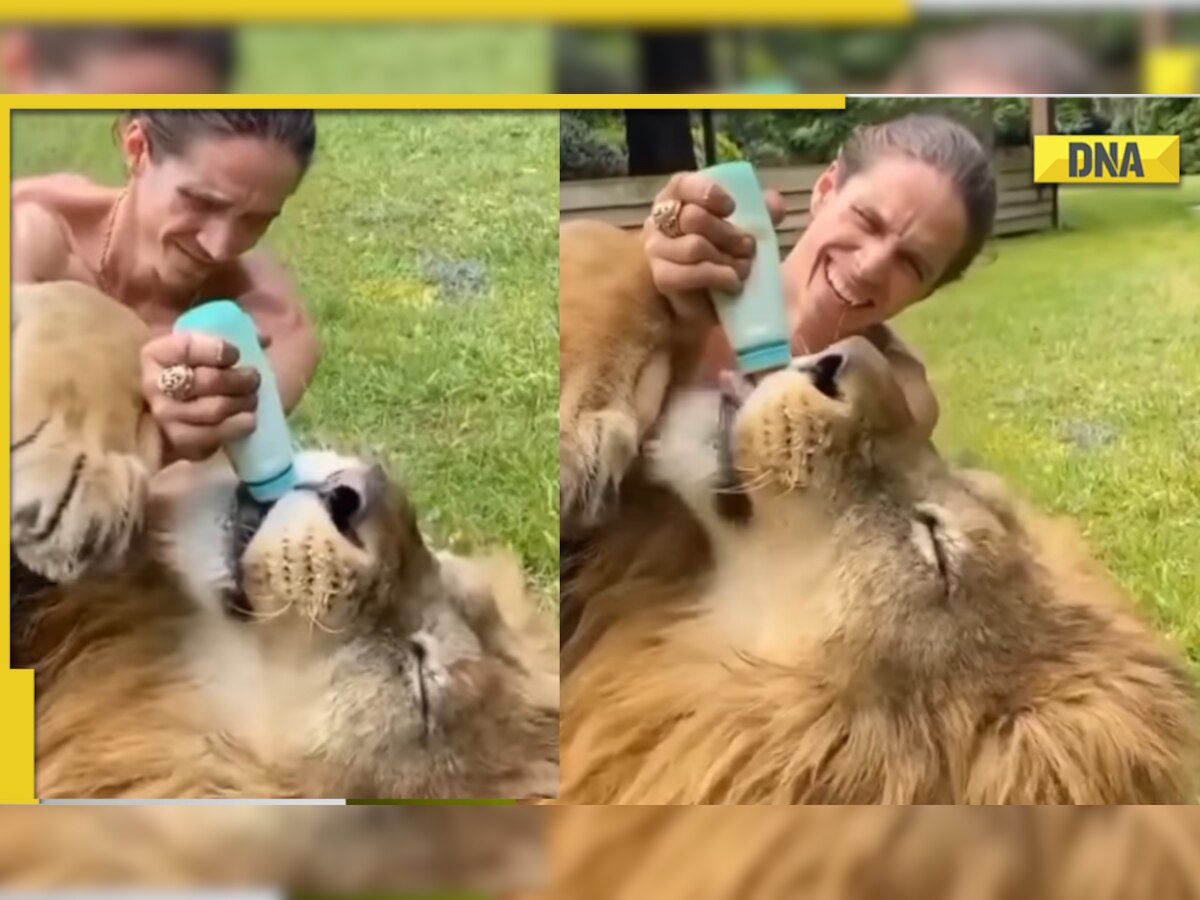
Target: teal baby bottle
263 460
755 320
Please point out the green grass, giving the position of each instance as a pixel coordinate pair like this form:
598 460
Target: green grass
416 58
1098 324
458 392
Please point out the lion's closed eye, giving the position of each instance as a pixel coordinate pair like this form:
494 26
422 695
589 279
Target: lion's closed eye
932 540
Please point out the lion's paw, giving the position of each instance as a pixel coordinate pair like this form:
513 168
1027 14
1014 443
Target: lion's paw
593 459
74 509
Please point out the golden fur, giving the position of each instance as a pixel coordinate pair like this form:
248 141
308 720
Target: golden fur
320 659
866 625
624 352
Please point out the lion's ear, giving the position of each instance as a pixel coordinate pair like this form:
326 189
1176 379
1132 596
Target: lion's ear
493 593
987 485
413 552
995 493
491 590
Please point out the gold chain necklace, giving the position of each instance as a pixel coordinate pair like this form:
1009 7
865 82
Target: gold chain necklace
106 248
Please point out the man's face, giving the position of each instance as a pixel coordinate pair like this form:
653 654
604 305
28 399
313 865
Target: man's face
107 71
877 243
203 208
139 72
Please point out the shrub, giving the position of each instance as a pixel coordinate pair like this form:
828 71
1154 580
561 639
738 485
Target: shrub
583 153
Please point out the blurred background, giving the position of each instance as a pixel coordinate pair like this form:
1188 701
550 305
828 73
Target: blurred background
1051 50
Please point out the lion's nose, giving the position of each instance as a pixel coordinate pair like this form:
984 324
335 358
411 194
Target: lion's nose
824 371
350 494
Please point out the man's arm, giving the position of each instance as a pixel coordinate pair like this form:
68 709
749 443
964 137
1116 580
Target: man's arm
265 291
910 374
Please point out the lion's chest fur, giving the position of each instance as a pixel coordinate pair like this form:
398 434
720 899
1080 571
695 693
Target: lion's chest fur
280 707
771 599
685 718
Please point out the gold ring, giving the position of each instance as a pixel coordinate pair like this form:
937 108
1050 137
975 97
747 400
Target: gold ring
177 382
666 217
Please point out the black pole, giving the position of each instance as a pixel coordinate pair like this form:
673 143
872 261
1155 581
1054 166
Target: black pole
669 62
674 61
710 137
659 141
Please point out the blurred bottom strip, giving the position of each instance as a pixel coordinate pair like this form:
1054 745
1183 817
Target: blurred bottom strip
484 850
615 853
876 853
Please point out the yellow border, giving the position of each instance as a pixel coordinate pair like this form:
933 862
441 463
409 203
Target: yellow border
612 12
16 686
421 101
5 263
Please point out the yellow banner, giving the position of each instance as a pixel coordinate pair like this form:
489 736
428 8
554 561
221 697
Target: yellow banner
1106 159
1171 70
610 12
422 101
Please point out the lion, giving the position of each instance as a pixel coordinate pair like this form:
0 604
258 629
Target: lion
795 600
194 643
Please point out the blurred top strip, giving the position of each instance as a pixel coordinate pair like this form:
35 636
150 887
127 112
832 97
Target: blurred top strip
1048 52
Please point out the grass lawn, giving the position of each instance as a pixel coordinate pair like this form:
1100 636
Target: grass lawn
1070 363
426 247
395 57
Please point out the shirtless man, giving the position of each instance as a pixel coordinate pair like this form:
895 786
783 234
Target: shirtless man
902 211
203 188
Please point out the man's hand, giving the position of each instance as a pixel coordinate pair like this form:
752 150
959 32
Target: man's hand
711 253
220 405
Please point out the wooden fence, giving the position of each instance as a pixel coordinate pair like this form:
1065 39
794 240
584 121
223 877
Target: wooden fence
1023 205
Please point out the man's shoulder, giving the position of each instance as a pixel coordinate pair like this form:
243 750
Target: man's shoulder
61 194
36 221
41 225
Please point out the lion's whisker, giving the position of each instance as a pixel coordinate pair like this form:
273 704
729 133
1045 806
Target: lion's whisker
266 617
314 618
